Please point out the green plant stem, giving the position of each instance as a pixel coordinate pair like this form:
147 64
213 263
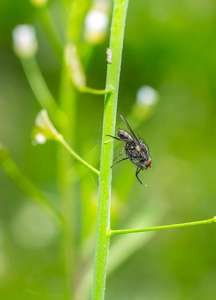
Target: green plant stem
40 89
123 247
116 232
74 154
77 73
94 91
68 204
29 188
78 10
110 108
44 126
51 31
68 101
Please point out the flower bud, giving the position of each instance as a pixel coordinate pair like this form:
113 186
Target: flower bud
75 66
96 23
39 3
43 129
146 100
24 41
40 138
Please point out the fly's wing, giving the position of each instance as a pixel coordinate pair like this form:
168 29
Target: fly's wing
128 126
144 146
124 135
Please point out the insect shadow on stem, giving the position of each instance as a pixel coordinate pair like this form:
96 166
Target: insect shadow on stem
134 148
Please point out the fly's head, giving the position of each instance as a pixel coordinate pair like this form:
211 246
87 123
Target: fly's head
146 163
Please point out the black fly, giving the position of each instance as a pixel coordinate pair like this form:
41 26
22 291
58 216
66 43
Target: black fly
135 149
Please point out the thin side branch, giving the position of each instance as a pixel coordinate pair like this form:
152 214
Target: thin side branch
89 90
75 155
51 31
44 126
124 231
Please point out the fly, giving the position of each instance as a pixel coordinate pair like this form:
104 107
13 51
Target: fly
134 148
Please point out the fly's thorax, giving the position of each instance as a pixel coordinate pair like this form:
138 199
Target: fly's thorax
134 151
124 135
130 145
130 148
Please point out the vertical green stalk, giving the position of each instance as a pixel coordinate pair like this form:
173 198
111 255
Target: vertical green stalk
68 101
110 108
68 105
51 31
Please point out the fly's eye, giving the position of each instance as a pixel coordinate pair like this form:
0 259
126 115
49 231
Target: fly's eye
148 163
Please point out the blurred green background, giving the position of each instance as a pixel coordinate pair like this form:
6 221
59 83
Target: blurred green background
170 46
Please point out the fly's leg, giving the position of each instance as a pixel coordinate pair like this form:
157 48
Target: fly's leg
119 161
137 172
119 139
136 163
119 154
113 137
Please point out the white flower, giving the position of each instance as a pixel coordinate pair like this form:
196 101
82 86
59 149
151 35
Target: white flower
96 23
146 101
24 41
43 129
40 138
39 3
146 95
